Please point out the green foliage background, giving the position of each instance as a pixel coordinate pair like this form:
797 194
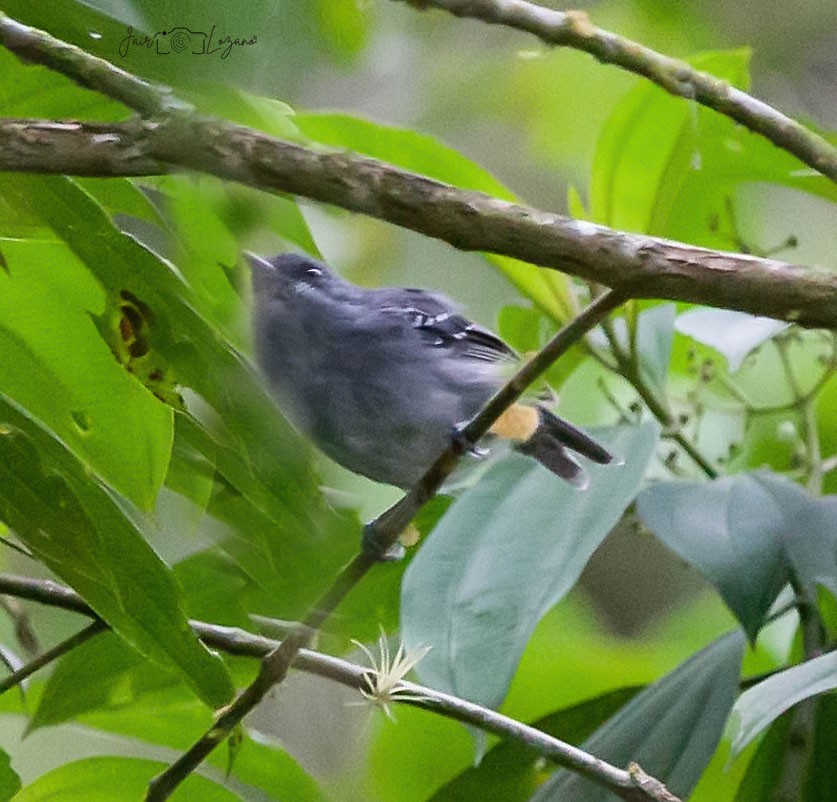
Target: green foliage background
142 462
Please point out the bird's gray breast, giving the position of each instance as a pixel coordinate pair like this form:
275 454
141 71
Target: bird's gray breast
373 395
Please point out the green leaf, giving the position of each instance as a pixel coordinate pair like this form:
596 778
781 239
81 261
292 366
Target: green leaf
91 538
105 686
731 529
765 768
654 336
9 781
419 153
671 728
667 166
746 533
511 771
734 334
30 90
115 779
274 482
54 362
811 539
821 779
122 196
88 677
762 704
505 553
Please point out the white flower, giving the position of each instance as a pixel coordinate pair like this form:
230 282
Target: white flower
384 680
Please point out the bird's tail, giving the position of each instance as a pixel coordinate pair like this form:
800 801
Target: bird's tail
551 443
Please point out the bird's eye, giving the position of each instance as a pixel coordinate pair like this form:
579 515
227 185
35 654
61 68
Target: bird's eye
314 271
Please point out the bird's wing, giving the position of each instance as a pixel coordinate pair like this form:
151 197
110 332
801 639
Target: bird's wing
439 324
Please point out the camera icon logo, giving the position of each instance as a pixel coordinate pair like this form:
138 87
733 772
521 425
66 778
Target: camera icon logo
181 40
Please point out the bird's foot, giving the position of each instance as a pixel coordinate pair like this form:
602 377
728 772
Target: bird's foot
462 444
373 544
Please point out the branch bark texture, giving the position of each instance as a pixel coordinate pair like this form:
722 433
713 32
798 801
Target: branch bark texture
574 29
471 221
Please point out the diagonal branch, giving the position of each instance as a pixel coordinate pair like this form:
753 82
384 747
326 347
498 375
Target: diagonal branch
380 535
574 29
50 655
236 641
471 221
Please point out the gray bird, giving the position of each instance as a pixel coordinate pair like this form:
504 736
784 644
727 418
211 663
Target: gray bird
380 379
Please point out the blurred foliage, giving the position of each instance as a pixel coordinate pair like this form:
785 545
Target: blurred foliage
143 462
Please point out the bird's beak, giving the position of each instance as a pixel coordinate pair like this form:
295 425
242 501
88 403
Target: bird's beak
258 264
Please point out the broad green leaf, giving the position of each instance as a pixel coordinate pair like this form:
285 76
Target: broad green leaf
9 781
54 363
734 334
510 771
811 539
654 335
214 588
210 219
200 359
275 481
205 249
762 704
266 114
91 538
731 529
549 290
115 779
671 728
521 327
662 163
505 552
746 533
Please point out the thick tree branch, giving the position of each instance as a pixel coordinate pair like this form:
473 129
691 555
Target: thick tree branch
652 267
574 29
239 642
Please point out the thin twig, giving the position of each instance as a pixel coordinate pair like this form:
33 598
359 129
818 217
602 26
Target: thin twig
59 650
85 69
574 29
384 531
233 640
628 366
24 631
